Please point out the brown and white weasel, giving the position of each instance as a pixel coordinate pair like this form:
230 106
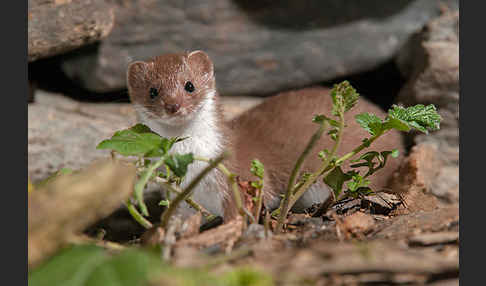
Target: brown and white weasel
175 95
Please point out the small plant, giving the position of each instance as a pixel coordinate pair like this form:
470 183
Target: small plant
143 144
344 98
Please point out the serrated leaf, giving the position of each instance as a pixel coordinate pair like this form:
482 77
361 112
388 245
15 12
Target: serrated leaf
344 97
395 123
369 122
420 117
257 168
336 178
179 163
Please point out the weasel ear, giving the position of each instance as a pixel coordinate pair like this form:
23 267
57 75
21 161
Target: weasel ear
200 62
136 74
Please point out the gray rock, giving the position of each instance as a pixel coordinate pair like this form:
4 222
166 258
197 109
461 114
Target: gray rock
258 47
431 60
434 79
64 133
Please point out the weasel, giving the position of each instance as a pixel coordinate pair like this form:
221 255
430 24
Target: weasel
175 95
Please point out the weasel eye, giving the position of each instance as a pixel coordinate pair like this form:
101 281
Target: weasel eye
189 87
153 93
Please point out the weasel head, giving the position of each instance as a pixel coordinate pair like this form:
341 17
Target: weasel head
171 88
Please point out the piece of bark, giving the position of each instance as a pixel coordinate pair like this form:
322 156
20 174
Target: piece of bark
56 27
400 227
71 203
226 234
328 258
426 239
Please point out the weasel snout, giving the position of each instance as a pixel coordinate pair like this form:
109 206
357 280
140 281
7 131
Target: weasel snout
172 108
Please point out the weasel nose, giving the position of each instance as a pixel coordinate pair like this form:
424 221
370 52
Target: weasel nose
172 108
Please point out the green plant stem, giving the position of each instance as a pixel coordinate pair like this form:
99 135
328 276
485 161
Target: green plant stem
284 205
234 186
137 216
176 190
259 201
358 149
187 191
140 185
324 167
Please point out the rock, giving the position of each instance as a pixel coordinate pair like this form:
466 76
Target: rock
446 185
56 27
415 177
431 60
64 133
258 47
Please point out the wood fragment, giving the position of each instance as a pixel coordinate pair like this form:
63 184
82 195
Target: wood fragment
71 203
226 234
426 239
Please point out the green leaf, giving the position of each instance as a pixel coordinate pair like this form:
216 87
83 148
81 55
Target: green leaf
369 122
138 140
394 123
336 178
344 97
71 267
141 128
91 265
179 163
420 117
257 168
369 159
357 182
